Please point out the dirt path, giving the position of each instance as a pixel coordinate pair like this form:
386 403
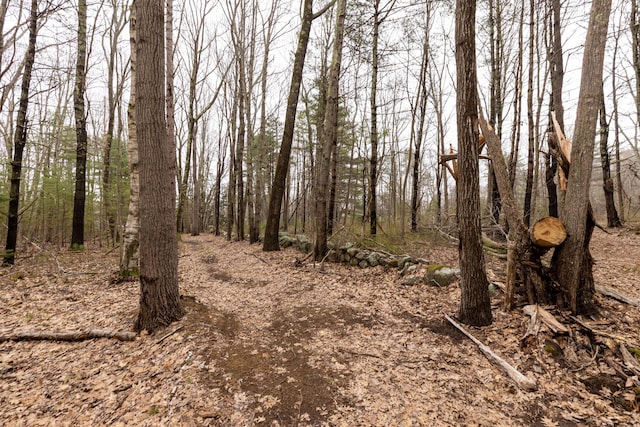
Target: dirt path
268 343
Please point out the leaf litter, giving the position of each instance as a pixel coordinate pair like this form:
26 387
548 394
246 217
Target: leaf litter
268 341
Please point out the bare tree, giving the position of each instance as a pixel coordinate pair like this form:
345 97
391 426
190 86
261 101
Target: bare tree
282 166
475 306
605 162
114 92
20 140
77 234
159 292
330 125
129 261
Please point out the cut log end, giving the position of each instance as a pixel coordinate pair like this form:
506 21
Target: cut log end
548 232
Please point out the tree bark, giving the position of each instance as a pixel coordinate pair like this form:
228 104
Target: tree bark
475 306
557 81
282 166
330 125
20 140
530 121
572 262
77 232
130 259
607 183
159 292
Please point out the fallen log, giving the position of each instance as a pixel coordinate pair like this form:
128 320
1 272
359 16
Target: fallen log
548 232
69 336
546 318
617 295
520 379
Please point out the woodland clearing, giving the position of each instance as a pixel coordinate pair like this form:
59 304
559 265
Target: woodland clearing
268 340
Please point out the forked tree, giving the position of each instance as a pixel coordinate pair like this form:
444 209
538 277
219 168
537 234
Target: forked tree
159 292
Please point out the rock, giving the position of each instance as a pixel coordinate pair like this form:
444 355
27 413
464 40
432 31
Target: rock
411 280
363 264
352 251
374 259
361 255
441 275
405 259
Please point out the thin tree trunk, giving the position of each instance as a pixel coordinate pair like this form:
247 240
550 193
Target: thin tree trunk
475 306
616 119
607 183
557 81
330 125
282 166
20 140
130 259
77 232
530 121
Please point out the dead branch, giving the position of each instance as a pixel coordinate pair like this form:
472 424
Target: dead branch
69 336
169 334
546 318
520 379
617 295
619 338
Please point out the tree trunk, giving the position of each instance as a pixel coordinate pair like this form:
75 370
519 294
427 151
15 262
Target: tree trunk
77 232
20 140
557 80
159 292
530 121
117 25
607 183
475 306
572 262
373 161
634 26
130 259
282 166
330 125
616 127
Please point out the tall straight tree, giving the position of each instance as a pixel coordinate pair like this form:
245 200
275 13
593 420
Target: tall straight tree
330 126
572 262
20 140
77 231
115 86
282 166
130 259
380 14
557 82
475 306
159 291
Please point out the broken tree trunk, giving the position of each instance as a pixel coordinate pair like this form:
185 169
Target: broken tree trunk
548 232
69 336
520 379
525 254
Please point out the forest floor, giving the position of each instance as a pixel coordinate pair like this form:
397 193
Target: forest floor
271 341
